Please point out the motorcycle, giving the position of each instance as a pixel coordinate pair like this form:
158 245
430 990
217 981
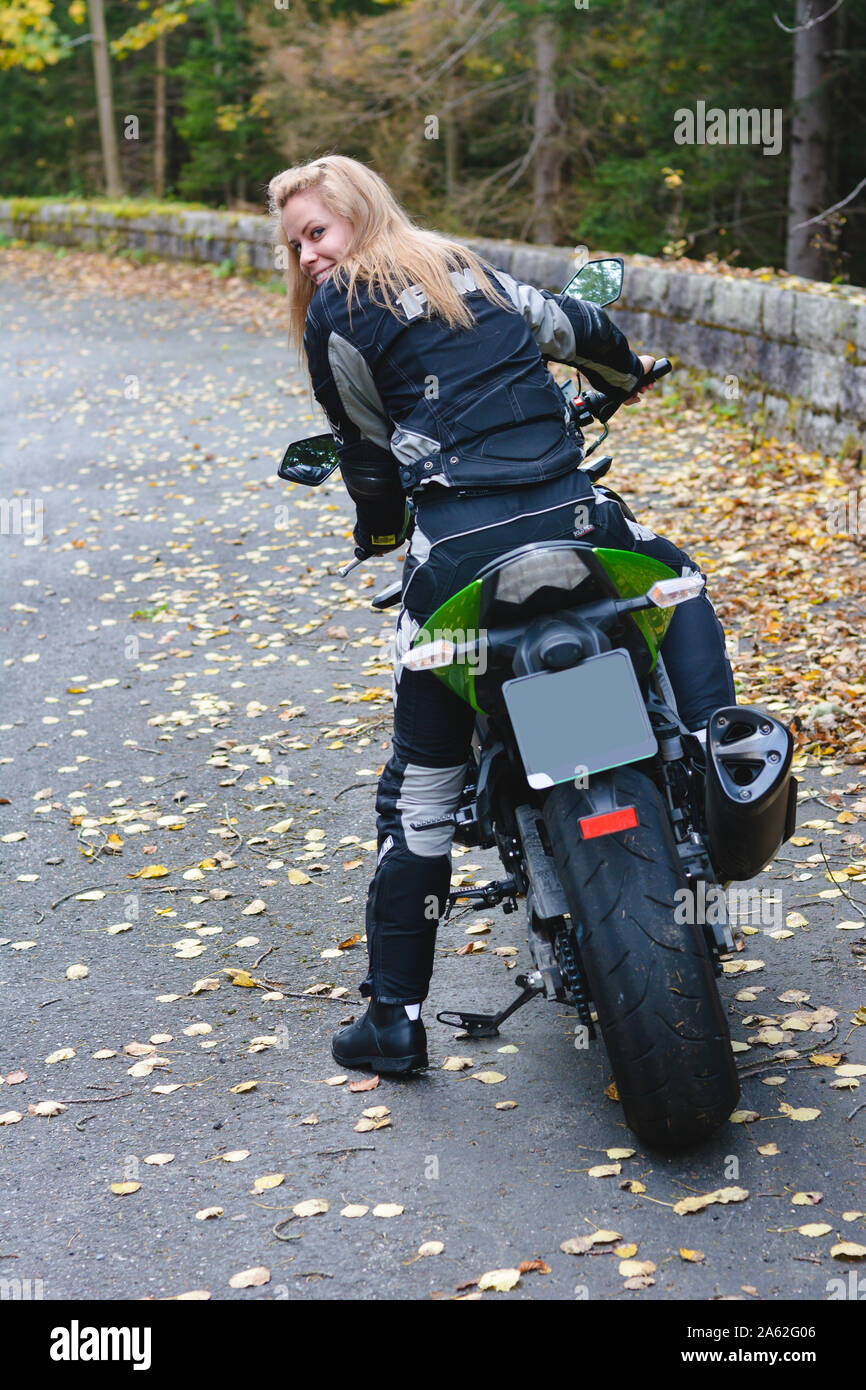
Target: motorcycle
614 824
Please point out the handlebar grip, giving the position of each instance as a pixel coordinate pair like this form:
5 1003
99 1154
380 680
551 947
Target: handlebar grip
600 405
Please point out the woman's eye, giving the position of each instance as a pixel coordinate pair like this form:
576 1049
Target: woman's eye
317 231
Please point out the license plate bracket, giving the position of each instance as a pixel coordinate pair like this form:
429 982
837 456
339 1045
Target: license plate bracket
586 719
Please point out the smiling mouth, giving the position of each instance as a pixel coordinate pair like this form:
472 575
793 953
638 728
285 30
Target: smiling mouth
320 275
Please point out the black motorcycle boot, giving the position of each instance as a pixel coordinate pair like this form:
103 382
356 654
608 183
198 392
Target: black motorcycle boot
386 1039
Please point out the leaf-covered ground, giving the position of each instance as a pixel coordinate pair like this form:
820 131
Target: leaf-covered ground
195 713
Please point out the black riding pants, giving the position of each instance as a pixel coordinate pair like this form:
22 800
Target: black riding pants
422 781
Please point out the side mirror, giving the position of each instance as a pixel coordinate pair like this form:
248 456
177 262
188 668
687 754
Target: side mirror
309 461
598 281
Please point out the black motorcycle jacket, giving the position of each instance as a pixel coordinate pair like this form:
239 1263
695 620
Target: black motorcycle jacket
411 401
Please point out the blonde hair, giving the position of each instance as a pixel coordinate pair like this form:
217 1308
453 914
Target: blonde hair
387 251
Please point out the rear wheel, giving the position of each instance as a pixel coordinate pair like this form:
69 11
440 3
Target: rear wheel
650 977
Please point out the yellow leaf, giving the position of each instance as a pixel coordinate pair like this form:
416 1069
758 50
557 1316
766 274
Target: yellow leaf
693 1256
159 1160
63 1054
151 871
803 1113
611 1092
506 1105
314 1206
242 1087
267 1181
632 1185
387 1209
630 1268
620 1153
625 1252
827 1059
500 1280
721 1195
806 1199
298 876
768 1149
254 908
250 1278
848 1250
604 1170
457 1063
235 1155
431 1247
242 978
490 1078
353 1211
815 1228
207 1213
122 1189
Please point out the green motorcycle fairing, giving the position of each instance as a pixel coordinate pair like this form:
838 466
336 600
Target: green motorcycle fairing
619 572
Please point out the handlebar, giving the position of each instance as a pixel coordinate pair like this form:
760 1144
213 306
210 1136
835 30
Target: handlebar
597 405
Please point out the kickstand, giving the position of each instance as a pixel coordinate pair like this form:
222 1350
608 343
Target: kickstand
487 1025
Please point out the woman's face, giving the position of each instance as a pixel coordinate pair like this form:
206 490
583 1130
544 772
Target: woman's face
320 237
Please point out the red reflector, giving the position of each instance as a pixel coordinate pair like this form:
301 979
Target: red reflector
606 824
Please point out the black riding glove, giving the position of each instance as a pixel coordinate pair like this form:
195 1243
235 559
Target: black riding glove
373 543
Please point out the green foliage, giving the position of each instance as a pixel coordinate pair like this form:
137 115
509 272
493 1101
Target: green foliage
438 96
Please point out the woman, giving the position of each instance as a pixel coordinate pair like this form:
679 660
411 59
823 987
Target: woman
428 365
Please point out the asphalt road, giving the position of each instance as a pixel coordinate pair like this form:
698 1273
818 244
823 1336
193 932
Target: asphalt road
150 433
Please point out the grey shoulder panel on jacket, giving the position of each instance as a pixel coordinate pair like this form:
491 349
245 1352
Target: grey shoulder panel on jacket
358 391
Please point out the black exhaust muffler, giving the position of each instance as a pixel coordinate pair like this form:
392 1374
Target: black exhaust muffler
751 797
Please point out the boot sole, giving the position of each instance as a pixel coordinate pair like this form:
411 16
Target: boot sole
394 1065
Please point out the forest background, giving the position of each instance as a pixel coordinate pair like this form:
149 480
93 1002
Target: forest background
552 121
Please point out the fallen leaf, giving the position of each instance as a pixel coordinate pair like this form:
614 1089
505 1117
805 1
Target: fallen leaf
122 1189
815 1228
489 1078
368 1084
694 1257
314 1206
500 1280
604 1170
250 1278
848 1250
353 1211
267 1181
235 1155
45 1109
387 1209
630 1268
207 1213
431 1247
807 1199
803 1113
721 1195
457 1063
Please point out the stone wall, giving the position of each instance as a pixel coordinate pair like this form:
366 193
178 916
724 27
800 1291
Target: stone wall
792 358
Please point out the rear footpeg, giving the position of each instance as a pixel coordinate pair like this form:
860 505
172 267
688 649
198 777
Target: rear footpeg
487 1025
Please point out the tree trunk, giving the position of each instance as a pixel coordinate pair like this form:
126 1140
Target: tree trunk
159 122
547 158
104 102
452 139
809 189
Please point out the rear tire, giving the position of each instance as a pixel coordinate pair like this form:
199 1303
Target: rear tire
650 977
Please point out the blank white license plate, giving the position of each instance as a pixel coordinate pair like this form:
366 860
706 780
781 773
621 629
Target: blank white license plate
583 720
